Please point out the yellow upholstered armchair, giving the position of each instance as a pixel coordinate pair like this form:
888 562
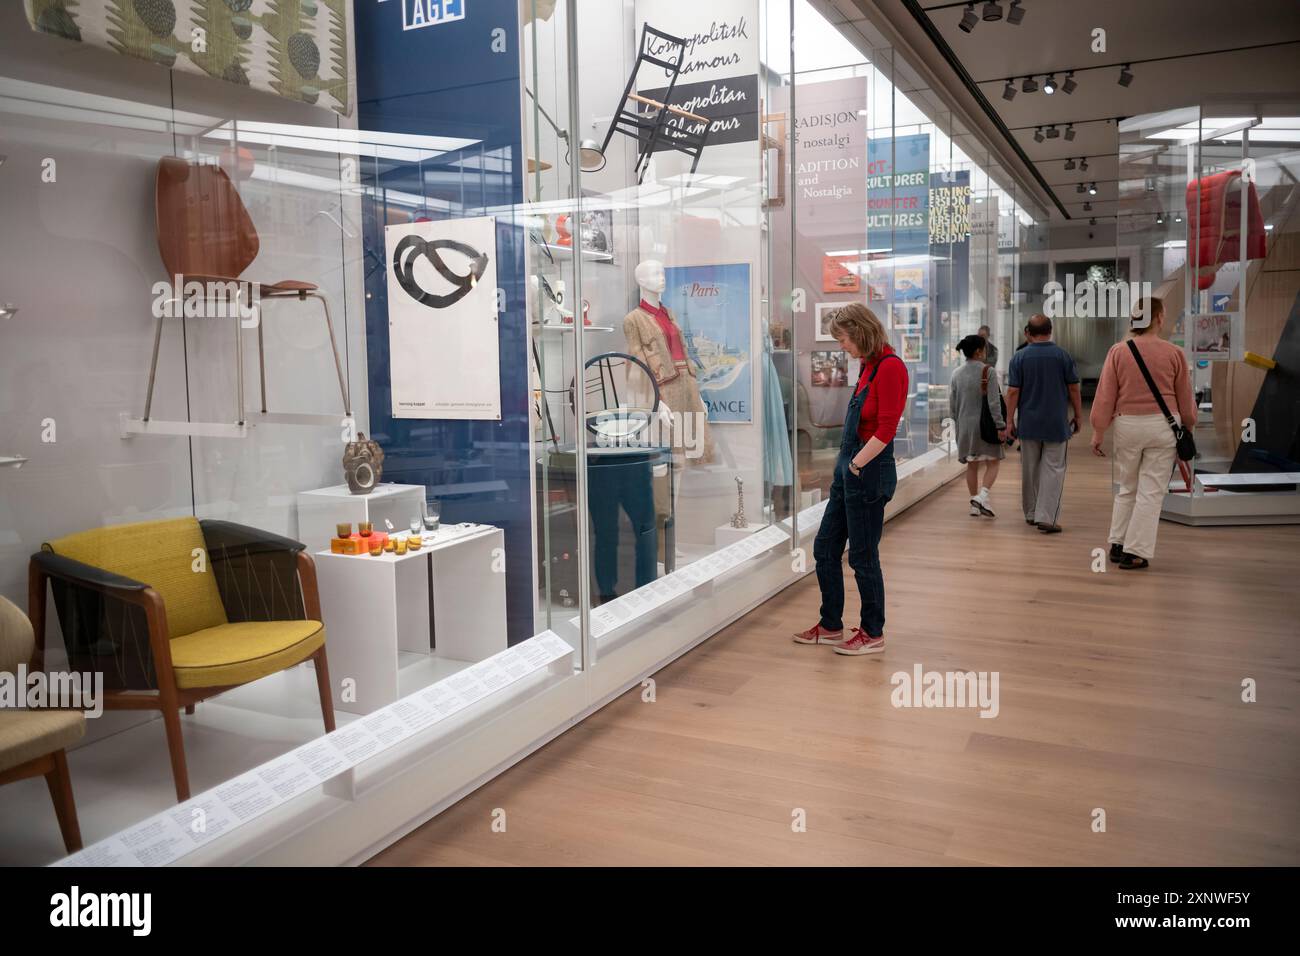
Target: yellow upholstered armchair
32 742
177 611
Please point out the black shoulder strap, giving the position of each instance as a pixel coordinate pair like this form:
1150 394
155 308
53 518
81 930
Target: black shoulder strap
1164 409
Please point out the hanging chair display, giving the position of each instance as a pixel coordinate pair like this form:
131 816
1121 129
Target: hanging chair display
1214 215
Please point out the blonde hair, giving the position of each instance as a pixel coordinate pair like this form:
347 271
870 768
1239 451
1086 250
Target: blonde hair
863 329
1146 312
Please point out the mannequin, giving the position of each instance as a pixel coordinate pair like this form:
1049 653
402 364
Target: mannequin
654 337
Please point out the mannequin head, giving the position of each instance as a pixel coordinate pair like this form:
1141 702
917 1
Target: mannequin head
650 277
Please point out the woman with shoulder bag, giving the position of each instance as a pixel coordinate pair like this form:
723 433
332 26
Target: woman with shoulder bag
1142 378
980 414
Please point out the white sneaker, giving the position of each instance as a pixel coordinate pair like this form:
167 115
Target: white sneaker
981 505
975 511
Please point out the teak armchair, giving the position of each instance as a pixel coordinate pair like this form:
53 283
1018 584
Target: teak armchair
176 611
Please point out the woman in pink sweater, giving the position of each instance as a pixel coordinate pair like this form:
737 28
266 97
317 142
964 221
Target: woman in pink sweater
1144 441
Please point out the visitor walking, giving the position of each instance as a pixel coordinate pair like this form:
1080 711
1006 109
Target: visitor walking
1044 387
973 388
1144 443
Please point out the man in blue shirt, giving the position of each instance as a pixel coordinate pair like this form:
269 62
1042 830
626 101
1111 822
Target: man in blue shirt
1043 384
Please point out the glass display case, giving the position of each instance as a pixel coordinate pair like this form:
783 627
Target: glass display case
408 387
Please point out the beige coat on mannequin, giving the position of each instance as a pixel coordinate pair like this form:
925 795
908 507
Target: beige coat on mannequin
678 389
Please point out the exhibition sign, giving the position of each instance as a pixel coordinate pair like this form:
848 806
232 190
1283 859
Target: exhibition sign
712 307
719 78
442 319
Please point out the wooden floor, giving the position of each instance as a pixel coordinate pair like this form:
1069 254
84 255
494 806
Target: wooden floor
1118 691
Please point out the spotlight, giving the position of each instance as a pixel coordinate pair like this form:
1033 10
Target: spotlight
1016 13
1069 164
1151 184
1092 221
1079 188
1178 217
1038 135
1160 219
1083 164
1029 86
1087 207
1009 91
1053 132
1069 131
1092 190
969 19
1049 84
1069 86
1125 76
992 11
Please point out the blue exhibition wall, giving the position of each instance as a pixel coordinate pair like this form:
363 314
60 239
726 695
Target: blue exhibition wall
450 68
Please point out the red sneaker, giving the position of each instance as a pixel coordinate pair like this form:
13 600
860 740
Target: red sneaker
819 635
861 643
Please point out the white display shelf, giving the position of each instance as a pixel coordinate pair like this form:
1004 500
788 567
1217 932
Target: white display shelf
323 508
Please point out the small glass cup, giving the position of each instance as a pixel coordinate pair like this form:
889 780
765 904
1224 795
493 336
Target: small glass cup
414 542
415 525
376 550
365 528
344 529
390 545
433 516
400 547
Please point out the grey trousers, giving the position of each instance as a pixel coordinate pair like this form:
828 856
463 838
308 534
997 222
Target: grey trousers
1042 479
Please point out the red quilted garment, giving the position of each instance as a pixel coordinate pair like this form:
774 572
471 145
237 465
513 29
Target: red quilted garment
1219 217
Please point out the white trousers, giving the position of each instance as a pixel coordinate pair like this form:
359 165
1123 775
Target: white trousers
1144 459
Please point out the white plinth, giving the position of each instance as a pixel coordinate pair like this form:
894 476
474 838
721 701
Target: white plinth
320 510
809 498
377 610
725 534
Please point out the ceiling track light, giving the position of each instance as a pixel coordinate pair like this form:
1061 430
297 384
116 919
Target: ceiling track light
1029 86
1079 188
1049 84
1092 189
1087 207
1038 135
992 11
1083 164
1069 86
1160 219
1053 132
1069 132
1125 75
1015 13
1009 91
1092 221
1069 164
968 19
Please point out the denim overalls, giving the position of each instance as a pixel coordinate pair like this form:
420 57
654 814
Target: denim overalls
855 515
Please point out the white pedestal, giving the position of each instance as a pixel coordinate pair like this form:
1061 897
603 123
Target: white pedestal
377 609
809 498
320 510
725 534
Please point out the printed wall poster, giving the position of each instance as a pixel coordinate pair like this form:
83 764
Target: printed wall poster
913 348
1212 336
909 284
907 316
442 319
830 369
840 274
826 312
712 306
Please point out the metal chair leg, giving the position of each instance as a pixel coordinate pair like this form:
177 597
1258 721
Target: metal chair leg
239 367
261 356
338 363
153 368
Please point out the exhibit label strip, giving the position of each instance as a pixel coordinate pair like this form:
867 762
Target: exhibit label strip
167 836
614 614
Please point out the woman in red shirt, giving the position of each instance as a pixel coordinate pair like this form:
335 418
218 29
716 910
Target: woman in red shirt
864 482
